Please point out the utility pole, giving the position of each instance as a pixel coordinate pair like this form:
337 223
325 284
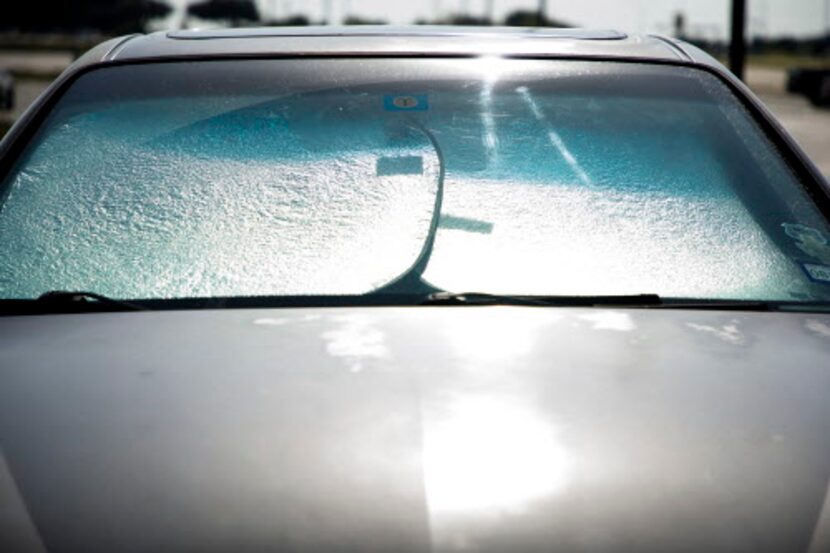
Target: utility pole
737 41
542 14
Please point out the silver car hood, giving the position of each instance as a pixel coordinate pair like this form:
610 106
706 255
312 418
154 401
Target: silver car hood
415 429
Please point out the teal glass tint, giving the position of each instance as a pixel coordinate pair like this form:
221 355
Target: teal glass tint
277 177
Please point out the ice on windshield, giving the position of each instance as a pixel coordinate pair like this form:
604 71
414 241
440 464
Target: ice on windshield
231 204
620 196
549 188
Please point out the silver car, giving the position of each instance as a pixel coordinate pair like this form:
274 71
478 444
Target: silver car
410 289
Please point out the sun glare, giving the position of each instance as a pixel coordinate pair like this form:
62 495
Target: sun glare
488 454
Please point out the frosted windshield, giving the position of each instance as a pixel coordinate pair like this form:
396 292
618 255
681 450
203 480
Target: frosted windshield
281 177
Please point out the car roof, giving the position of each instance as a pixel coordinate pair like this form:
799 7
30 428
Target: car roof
397 40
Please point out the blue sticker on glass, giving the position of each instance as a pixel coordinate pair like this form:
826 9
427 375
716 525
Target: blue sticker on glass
810 241
817 273
405 102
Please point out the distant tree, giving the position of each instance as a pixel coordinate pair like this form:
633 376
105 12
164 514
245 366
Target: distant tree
104 16
357 20
235 12
290 21
528 18
456 19
467 19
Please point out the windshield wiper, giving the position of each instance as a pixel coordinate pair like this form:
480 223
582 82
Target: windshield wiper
412 278
82 300
478 298
647 301
62 301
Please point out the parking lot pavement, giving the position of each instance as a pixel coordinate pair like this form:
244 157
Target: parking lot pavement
26 91
45 63
809 125
33 71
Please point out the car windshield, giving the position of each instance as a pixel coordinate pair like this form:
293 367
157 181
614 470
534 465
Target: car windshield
340 176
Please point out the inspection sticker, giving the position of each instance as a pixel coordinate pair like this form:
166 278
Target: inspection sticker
817 273
405 102
810 241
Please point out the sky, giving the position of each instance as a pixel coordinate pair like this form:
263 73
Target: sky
708 18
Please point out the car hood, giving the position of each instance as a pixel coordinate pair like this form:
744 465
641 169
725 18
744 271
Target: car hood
415 429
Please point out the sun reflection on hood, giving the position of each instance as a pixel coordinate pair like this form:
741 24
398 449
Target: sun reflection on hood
610 320
489 454
508 336
356 340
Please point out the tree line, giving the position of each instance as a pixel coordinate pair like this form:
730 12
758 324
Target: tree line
130 16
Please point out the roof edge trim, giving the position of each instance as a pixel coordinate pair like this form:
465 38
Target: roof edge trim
116 49
674 47
392 31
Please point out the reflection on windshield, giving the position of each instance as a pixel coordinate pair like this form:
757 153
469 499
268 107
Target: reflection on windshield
559 178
